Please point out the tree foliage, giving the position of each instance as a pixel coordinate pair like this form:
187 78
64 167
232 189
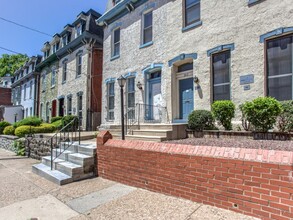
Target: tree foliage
10 63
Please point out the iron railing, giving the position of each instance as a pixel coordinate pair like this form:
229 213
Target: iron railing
64 138
144 113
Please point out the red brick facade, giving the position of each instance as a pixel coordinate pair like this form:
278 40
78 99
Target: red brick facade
250 181
5 96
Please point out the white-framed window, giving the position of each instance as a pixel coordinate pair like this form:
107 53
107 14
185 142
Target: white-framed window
41 110
69 105
147 30
31 111
66 39
116 43
64 72
191 12
26 112
79 107
279 62
78 64
111 100
221 75
31 89
78 30
53 78
24 91
130 91
55 47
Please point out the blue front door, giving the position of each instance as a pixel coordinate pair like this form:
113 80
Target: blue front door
186 97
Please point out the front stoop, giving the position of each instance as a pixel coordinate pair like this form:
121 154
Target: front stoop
75 163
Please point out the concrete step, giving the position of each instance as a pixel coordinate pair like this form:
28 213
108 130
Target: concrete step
86 161
87 149
52 175
158 133
63 155
71 146
145 138
47 161
70 169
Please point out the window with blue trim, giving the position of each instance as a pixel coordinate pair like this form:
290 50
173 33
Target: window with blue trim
131 97
147 27
280 67
116 43
221 75
111 100
192 12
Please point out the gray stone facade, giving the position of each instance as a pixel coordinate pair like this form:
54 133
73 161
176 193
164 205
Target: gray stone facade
223 23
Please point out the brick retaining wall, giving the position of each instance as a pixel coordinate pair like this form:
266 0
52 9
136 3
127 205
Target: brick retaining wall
250 181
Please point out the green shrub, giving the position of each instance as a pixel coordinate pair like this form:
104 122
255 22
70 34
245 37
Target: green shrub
262 112
67 119
285 119
245 123
56 119
9 130
21 131
44 128
19 147
33 121
224 111
3 124
58 124
200 120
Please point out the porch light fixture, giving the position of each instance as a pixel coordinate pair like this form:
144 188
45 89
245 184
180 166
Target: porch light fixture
196 79
139 85
122 81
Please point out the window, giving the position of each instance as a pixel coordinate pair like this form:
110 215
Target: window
31 89
41 110
185 67
43 82
53 78
279 68
31 111
131 97
116 43
69 105
79 108
111 100
46 54
192 12
24 92
55 47
78 64
147 27
47 112
78 30
26 112
64 72
221 75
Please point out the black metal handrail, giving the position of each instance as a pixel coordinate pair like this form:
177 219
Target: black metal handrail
63 135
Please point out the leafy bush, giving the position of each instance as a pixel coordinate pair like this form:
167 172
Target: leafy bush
9 130
200 120
245 123
44 128
67 119
3 124
56 119
285 119
224 111
21 131
19 147
262 112
33 121
58 124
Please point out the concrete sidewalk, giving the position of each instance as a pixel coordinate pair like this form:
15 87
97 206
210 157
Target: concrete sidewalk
24 195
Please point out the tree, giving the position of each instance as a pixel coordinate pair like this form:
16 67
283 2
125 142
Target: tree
10 63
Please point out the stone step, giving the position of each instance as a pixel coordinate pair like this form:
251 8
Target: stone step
81 159
47 161
158 133
70 169
52 175
145 138
87 149
63 155
71 146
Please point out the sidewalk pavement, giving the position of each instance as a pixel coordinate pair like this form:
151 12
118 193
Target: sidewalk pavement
24 195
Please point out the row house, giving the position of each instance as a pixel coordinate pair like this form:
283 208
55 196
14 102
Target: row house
25 87
182 55
71 72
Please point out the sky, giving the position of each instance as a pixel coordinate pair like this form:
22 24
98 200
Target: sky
48 16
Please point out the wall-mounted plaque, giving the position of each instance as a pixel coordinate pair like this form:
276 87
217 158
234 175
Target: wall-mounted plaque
246 79
246 87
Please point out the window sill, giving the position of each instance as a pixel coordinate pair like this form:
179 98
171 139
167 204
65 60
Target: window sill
253 2
115 57
78 76
63 82
52 87
146 45
189 27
